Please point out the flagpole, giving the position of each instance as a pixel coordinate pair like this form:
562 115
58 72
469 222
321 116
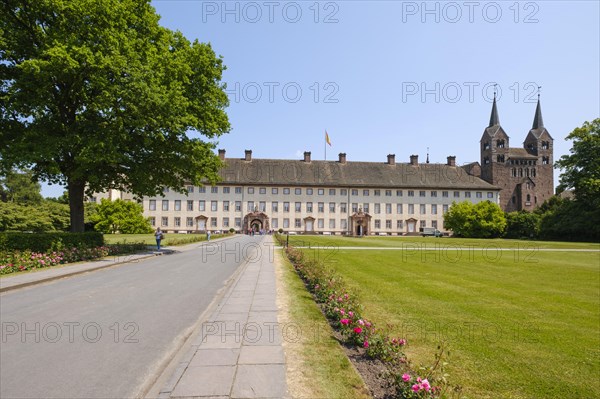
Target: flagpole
325 144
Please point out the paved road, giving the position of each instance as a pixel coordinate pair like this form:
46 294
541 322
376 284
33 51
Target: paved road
106 334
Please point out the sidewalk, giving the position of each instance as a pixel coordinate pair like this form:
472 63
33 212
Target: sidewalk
239 352
53 273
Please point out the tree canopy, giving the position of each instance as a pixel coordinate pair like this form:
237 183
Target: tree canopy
95 94
120 216
482 220
20 187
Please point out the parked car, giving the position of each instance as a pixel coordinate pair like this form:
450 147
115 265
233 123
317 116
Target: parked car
430 231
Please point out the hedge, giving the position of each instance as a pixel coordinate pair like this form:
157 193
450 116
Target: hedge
42 242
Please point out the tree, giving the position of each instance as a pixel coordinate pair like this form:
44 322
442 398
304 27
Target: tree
482 220
120 217
95 95
582 166
20 187
522 224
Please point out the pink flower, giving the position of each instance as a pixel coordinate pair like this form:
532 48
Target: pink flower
346 296
416 387
405 377
362 323
351 313
402 341
357 330
425 385
366 344
419 379
345 321
342 312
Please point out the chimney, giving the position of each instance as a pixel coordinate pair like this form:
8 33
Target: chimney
306 156
222 154
342 157
414 160
248 155
451 160
391 159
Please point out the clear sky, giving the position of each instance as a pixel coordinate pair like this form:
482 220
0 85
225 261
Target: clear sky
395 76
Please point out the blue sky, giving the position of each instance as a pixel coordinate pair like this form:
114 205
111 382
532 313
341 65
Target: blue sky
395 76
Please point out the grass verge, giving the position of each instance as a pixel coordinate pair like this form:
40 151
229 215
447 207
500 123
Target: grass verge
317 365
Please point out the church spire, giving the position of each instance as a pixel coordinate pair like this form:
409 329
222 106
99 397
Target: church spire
538 122
494 120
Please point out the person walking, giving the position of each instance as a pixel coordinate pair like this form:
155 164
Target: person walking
207 235
159 236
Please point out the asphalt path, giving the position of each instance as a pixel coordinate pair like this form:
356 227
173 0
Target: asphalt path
108 333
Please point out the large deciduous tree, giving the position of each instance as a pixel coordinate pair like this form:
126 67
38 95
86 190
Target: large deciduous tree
95 94
20 187
482 220
120 217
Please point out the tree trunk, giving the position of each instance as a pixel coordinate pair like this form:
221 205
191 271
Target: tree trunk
76 193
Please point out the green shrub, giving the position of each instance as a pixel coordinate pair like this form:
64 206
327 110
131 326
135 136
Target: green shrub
42 242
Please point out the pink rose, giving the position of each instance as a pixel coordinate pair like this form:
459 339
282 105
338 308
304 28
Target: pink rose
357 330
366 344
405 377
416 387
425 385
345 321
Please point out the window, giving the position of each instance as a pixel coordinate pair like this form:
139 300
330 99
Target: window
309 191
226 206
213 206
275 223
286 223
388 193
298 191
320 223
177 222
298 206
213 222
238 206
399 208
152 221
457 194
190 189
238 222
214 190
226 190
332 191
297 223
398 193
225 222
238 190
434 193
201 190
545 145
411 193
366 207
321 191
399 224
177 205
332 223
445 194
190 205
274 190
354 207
275 206
422 224
422 209
321 207
434 224
189 222
411 209
165 205
478 194
486 160
388 224
486 146
354 192
377 193
343 191
528 198
332 207
490 194
166 190
343 224
433 209
500 143
533 172
250 207
286 206
262 190
388 208
309 207
343 206
421 193
164 221
377 208
500 158
250 190
545 160
445 208
286 191
152 205
467 194
377 223
365 193
262 206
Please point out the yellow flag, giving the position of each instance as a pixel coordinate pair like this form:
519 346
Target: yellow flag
327 138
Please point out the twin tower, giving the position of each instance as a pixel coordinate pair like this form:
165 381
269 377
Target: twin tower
524 174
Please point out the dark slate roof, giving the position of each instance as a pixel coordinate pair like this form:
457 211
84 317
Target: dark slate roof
537 129
494 119
520 153
283 172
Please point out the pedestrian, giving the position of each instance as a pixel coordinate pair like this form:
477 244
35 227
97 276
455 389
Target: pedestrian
208 235
159 236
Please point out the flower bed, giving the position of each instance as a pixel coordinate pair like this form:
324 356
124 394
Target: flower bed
16 261
344 313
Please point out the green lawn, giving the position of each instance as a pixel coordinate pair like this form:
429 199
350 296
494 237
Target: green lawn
520 324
